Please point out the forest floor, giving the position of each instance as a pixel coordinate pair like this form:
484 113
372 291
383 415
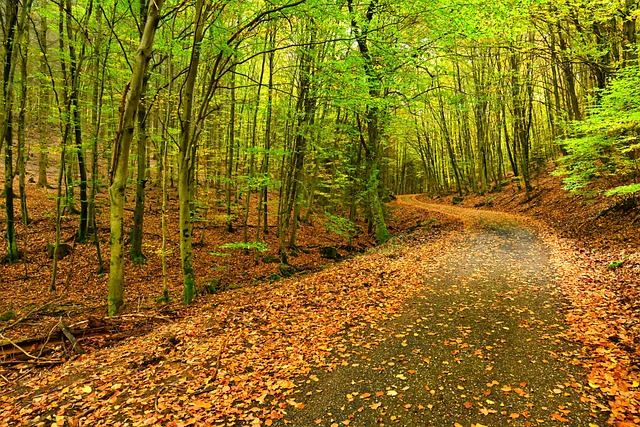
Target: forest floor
474 318
34 316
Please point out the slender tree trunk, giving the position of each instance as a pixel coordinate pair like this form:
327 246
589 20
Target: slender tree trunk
186 158
14 27
43 122
267 135
96 119
121 157
138 215
230 146
22 146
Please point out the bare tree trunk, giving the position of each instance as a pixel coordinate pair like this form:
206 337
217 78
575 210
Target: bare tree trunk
43 123
14 27
121 157
186 158
22 146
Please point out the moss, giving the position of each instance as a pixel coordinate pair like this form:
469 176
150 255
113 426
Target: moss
189 286
7 315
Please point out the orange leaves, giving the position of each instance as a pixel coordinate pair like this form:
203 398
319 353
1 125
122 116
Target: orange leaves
556 416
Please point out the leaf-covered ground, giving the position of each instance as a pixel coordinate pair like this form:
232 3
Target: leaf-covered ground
233 359
482 344
437 327
596 252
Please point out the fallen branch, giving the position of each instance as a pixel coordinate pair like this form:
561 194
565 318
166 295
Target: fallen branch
28 314
67 333
22 350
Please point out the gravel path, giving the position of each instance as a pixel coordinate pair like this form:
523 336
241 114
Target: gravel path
481 345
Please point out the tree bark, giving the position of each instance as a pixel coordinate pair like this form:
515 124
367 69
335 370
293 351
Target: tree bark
121 157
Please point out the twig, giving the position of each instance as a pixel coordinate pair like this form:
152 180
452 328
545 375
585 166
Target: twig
29 313
30 356
215 374
47 340
167 319
155 405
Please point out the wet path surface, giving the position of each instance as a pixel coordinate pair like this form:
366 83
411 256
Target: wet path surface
480 345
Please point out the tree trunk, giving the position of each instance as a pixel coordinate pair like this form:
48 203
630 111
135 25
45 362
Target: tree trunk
43 123
121 157
186 159
13 35
374 186
138 215
22 146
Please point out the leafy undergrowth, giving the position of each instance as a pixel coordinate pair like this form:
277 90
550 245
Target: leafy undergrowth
235 350
595 247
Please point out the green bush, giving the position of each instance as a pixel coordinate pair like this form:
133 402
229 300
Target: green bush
605 147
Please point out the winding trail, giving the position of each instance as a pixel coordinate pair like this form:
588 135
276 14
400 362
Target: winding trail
481 345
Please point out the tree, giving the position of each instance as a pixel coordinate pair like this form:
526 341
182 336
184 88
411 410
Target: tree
15 19
131 99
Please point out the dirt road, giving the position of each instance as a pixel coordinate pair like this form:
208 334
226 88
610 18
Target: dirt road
480 345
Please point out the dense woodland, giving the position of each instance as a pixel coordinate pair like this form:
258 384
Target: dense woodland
279 110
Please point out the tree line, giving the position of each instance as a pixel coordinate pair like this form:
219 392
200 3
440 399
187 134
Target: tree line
328 106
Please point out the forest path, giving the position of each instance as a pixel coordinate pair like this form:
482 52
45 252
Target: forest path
480 345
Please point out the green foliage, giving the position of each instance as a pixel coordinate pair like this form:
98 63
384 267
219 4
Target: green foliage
343 227
164 298
605 147
615 264
7 315
623 190
222 254
258 246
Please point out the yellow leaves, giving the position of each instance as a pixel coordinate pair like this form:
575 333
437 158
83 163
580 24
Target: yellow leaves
295 404
375 406
86 389
487 411
286 384
392 393
201 404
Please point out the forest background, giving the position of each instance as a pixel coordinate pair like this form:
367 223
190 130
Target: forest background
259 118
